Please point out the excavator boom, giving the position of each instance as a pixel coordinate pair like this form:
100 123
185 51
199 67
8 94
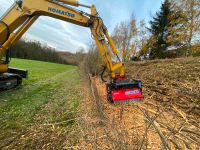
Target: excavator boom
23 13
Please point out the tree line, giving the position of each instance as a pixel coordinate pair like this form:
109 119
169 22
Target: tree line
36 51
174 31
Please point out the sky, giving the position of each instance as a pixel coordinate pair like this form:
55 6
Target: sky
64 36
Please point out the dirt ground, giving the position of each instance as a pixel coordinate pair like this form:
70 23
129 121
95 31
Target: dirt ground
167 118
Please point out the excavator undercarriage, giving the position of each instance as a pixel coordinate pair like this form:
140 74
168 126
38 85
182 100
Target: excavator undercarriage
9 81
12 78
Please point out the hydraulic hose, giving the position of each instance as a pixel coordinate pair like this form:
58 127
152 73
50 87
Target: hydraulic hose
104 69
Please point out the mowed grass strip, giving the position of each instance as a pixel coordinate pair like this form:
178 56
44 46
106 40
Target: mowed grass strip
50 94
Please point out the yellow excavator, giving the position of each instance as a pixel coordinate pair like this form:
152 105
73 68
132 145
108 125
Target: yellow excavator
23 13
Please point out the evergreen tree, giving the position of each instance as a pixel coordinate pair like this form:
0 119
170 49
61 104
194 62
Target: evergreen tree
160 31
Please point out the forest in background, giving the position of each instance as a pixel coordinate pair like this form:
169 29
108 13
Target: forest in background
36 51
174 31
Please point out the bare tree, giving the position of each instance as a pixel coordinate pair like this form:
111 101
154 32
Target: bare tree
143 39
123 35
191 10
80 54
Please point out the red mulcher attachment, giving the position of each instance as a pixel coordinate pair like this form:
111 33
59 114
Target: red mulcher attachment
123 90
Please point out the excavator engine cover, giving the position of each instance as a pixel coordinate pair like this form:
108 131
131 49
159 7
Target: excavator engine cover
123 90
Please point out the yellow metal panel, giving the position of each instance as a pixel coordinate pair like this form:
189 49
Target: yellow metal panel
3 68
46 8
113 47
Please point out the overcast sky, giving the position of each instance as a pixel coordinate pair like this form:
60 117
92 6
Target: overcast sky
67 37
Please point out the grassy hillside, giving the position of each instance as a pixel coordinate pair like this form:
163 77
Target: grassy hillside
50 95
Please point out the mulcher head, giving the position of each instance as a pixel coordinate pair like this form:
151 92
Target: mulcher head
123 90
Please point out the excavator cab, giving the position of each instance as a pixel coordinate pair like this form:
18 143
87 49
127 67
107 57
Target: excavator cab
4 62
6 58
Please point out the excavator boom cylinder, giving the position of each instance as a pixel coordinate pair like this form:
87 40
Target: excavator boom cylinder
70 2
73 3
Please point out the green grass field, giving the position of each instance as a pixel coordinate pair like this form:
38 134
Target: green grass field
50 95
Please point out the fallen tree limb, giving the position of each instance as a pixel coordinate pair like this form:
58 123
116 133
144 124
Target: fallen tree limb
165 144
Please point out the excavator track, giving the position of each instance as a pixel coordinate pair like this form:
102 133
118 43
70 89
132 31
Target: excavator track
9 81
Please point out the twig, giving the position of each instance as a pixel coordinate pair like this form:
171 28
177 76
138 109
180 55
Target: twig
58 123
72 147
97 138
187 137
176 145
156 128
146 131
193 132
182 114
172 130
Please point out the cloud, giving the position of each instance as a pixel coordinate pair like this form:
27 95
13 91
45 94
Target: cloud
68 37
5 5
56 34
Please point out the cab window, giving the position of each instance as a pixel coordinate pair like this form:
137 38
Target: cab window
3 59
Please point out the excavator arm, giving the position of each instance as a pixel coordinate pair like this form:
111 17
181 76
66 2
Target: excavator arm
22 14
